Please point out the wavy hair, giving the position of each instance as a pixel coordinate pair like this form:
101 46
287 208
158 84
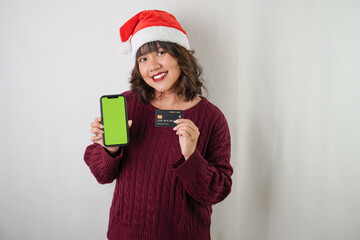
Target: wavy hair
190 82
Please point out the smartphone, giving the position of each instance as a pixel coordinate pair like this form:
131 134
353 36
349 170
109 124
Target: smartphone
114 119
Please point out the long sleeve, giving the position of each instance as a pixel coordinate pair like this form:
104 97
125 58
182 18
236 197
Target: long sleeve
104 167
208 178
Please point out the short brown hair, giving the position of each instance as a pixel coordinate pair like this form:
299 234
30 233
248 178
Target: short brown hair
189 83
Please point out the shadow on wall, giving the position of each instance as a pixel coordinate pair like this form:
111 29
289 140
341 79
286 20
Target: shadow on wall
216 53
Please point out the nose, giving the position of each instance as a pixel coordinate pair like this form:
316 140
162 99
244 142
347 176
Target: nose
154 64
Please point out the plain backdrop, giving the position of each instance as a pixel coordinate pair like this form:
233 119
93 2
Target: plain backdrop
285 74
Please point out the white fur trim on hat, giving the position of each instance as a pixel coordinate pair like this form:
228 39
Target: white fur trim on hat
124 47
158 33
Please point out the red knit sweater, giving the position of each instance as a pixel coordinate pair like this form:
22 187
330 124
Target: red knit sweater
158 195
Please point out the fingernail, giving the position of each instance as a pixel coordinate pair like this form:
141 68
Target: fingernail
101 126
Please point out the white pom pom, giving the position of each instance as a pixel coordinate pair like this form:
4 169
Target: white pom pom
125 47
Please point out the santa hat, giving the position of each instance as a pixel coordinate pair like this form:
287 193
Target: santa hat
148 26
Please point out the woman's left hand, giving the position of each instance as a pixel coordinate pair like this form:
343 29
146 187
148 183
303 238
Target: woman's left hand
188 136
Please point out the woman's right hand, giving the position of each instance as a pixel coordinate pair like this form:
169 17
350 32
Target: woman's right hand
97 130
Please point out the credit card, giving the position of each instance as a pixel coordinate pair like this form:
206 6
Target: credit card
166 118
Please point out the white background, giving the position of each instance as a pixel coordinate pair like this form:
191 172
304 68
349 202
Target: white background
285 74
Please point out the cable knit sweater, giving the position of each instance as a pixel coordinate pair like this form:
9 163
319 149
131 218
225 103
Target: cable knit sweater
158 195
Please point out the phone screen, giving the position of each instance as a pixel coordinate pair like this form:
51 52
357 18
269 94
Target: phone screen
114 119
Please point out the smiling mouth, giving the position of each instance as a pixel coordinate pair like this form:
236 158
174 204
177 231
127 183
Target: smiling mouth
159 77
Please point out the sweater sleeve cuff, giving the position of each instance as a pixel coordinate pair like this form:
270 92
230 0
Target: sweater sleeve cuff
191 168
113 159
109 161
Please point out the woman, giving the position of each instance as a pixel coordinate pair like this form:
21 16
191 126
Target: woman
167 179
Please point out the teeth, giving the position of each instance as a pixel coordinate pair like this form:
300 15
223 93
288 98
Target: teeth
159 76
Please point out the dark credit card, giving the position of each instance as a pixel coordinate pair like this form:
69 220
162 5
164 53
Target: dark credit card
166 118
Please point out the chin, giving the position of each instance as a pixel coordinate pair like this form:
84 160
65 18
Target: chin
163 89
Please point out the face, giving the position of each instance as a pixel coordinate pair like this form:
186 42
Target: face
159 70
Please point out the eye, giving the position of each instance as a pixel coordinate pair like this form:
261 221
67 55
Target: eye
141 59
161 52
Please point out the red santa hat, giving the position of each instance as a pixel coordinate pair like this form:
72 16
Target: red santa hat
151 25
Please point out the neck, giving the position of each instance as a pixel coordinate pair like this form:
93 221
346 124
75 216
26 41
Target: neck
173 101
168 99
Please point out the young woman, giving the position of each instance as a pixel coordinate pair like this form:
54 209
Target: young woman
167 179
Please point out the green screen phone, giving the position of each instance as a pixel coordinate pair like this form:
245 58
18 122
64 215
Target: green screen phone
114 119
